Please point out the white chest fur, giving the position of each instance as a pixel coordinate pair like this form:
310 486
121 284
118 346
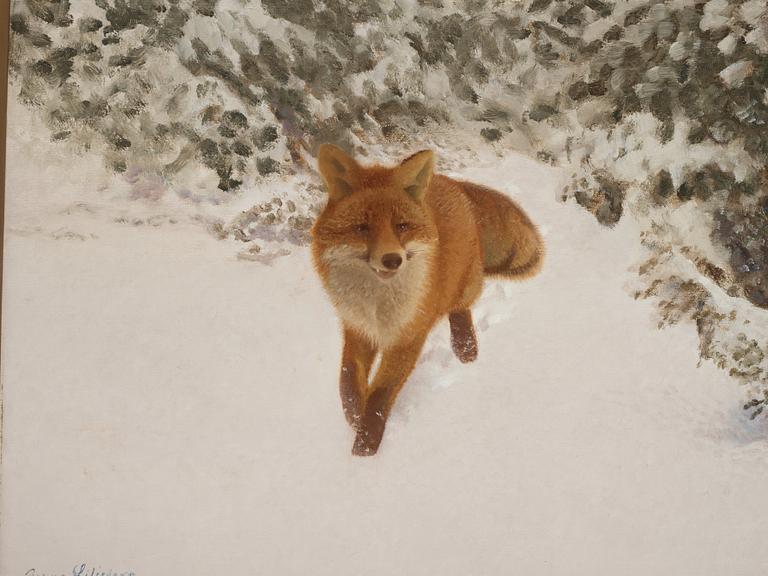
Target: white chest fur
377 308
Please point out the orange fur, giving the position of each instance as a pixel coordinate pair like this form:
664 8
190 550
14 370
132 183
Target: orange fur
398 248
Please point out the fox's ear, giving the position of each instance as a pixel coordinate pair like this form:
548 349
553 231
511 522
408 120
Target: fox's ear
415 173
339 171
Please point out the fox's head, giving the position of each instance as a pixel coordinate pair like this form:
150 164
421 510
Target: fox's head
375 215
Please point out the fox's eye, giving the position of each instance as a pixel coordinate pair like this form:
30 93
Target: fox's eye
362 228
403 226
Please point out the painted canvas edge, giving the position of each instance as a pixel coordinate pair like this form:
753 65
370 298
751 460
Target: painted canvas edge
5 11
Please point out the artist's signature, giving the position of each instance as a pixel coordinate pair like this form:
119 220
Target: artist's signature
82 570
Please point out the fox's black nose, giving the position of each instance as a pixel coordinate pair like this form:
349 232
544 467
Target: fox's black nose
391 261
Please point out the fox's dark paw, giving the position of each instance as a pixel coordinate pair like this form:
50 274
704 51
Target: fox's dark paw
369 436
365 445
463 340
466 351
362 448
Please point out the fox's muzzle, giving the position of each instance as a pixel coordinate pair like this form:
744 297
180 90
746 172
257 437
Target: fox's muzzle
386 265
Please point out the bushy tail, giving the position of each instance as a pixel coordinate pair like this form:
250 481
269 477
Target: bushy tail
512 245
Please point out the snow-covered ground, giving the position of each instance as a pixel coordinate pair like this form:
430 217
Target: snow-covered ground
172 409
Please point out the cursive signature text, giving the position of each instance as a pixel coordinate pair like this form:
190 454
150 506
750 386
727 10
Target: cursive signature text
82 570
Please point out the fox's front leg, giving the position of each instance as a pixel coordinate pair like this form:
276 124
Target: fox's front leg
356 363
397 363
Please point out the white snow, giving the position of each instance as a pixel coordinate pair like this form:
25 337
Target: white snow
171 409
728 44
736 73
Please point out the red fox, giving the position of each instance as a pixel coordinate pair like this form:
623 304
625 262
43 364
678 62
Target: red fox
398 248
